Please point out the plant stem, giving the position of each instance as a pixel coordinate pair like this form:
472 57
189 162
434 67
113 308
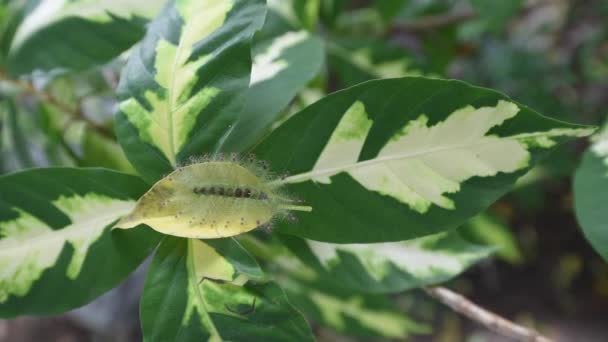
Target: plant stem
435 21
484 317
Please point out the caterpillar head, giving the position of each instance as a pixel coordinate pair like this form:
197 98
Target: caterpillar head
213 198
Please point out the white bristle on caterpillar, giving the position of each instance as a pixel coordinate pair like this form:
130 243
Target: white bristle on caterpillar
213 197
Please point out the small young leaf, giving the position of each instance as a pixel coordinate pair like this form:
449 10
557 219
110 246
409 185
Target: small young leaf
56 248
390 267
184 86
397 159
591 194
185 300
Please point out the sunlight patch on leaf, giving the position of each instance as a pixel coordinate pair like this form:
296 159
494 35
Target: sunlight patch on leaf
23 263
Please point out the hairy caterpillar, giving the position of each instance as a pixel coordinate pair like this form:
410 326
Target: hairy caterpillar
213 198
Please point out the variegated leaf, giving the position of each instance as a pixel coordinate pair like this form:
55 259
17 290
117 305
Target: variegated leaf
349 312
401 158
591 193
184 86
284 62
57 251
390 266
490 230
196 291
78 34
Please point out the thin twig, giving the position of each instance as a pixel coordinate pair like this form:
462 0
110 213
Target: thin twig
486 318
426 23
74 113
435 21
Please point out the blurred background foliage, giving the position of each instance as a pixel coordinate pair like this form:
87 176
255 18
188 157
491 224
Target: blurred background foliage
549 54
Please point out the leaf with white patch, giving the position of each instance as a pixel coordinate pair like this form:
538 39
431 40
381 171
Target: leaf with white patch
350 312
184 86
392 266
78 34
591 193
397 159
284 63
57 250
359 60
195 291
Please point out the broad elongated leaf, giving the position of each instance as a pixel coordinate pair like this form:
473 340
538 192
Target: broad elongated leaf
391 266
397 159
349 312
326 302
591 194
184 87
285 61
57 251
75 35
196 292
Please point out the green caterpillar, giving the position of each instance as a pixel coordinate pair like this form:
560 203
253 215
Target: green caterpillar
212 198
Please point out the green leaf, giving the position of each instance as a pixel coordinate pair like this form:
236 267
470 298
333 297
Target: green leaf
195 291
485 229
11 14
389 9
349 312
183 88
357 60
98 150
283 65
57 250
299 13
397 159
392 266
77 34
591 194
16 134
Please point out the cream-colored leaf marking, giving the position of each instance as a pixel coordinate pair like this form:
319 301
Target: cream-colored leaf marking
422 163
203 262
600 144
385 323
269 63
175 107
49 12
411 256
29 246
196 271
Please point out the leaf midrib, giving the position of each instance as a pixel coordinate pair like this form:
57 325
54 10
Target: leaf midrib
46 236
302 177
199 297
170 94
